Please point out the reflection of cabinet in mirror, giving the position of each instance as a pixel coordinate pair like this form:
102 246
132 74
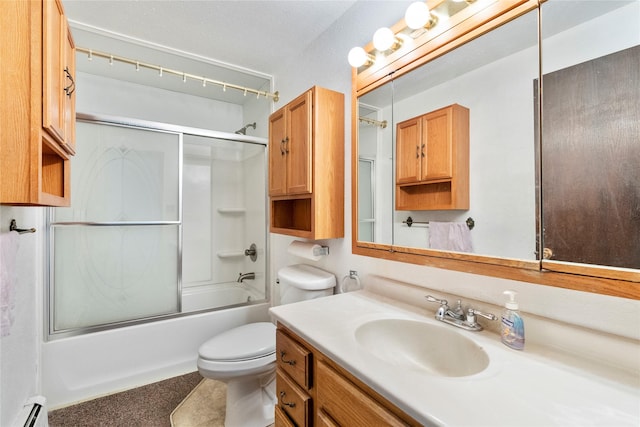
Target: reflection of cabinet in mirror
306 166
432 166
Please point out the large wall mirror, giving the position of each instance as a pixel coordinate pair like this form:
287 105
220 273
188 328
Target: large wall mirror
499 76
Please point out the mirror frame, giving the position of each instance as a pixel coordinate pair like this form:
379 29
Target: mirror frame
472 23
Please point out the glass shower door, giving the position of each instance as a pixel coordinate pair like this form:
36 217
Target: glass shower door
125 216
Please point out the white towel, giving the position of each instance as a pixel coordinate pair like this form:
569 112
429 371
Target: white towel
9 243
450 236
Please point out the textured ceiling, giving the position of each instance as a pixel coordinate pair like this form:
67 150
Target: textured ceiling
258 35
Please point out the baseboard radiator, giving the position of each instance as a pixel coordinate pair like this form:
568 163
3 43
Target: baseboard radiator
33 413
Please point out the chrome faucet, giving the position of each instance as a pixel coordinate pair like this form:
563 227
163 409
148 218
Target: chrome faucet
246 276
458 317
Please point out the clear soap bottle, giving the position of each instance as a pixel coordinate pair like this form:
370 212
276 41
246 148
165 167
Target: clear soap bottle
512 325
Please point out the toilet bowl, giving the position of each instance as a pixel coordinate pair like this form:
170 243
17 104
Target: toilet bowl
244 357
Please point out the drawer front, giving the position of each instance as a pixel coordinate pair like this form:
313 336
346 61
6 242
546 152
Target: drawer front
294 359
292 400
281 419
348 405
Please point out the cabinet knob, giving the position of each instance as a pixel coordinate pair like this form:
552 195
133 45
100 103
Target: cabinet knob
282 147
286 144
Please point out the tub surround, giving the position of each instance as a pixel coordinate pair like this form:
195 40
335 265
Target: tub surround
541 385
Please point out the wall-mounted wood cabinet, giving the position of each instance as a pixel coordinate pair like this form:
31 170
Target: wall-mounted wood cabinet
38 108
313 390
432 160
306 166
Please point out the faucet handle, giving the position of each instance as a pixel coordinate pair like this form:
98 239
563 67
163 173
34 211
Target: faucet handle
439 301
471 316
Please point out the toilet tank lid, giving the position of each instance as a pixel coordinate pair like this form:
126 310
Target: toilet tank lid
306 277
244 342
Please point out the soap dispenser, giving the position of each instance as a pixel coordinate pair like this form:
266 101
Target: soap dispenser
512 324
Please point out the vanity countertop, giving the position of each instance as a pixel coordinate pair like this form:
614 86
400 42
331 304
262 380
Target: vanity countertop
533 387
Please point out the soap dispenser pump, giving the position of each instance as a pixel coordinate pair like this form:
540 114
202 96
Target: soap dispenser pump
512 325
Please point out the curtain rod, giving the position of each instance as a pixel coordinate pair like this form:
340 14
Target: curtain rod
382 124
91 53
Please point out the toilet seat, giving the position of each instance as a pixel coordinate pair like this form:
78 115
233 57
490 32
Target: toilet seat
243 343
242 351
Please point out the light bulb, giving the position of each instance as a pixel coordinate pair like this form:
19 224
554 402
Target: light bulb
359 57
384 39
417 15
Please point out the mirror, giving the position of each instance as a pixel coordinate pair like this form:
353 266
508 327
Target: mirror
493 77
496 76
590 132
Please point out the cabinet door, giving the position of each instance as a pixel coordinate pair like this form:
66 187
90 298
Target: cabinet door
69 90
438 136
409 150
298 144
53 39
277 154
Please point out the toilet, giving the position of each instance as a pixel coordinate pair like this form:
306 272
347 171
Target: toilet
244 357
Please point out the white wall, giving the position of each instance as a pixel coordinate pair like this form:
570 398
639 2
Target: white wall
324 63
19 347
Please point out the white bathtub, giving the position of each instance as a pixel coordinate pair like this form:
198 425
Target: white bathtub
218 295
83 367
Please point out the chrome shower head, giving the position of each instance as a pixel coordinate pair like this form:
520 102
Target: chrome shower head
243 131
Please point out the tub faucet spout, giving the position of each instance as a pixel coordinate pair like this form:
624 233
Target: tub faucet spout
246 276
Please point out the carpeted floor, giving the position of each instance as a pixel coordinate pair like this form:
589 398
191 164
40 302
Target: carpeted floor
146 406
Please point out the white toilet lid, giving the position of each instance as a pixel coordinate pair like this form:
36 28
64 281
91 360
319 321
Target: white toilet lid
242 343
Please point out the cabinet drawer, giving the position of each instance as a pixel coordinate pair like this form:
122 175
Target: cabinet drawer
294 359
292 400
348 405
281 419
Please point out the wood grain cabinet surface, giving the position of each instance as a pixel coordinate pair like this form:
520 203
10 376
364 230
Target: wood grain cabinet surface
432 160
306 166
313 390
38 109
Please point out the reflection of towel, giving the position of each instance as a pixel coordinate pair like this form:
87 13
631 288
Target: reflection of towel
8 252
450 236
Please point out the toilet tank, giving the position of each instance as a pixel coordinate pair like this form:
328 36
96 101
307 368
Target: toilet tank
302 282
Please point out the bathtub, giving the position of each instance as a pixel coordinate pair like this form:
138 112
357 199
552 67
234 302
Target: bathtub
197 298
87 366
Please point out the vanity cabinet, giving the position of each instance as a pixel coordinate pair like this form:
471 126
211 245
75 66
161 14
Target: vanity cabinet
306 166
38 109
432 160
313 390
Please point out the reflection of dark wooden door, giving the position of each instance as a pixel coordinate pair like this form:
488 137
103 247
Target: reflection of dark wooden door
591 144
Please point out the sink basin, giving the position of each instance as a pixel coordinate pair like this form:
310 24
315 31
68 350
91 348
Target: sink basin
419 346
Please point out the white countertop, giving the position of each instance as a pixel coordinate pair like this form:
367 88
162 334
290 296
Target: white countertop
518 388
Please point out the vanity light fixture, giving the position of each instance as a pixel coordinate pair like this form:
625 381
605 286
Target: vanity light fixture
418 16
384 39
359 57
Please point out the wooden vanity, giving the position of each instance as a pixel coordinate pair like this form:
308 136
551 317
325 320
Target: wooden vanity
313 390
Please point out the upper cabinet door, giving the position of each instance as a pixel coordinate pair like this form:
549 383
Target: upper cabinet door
298 143
409 150
53 57
438 138
69 89
277 154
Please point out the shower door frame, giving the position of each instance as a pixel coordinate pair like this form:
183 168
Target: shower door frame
180 131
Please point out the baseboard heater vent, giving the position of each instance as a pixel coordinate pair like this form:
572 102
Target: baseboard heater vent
33 413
